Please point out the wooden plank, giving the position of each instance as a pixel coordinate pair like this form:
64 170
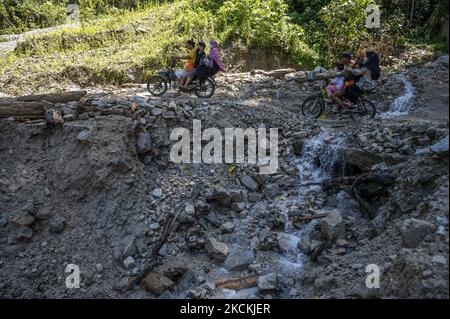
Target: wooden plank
237 283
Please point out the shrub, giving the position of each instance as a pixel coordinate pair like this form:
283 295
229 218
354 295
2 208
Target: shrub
263 23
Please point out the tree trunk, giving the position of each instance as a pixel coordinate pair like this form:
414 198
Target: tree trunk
21 109
54 97
280 73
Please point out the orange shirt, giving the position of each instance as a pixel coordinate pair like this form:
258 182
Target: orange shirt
189 66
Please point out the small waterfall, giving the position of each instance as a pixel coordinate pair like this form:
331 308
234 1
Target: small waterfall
320 158
403 103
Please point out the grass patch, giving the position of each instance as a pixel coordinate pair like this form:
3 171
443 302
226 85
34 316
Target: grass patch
125 45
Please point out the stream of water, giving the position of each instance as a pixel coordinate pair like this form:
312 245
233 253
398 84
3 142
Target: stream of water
402 104
322 155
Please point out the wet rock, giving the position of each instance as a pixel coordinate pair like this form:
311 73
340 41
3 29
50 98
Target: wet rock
268 282
23 219
129 263
216 250
157 283
249 183
83 136
143 142
441 147
239 259
413 231
332 226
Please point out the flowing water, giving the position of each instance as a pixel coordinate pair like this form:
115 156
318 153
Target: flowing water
402 104
322 158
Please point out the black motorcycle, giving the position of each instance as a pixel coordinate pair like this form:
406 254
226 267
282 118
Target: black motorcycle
158 84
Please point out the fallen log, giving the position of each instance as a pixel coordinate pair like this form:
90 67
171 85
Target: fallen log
54 97
280 73
154 257
11 107
237 283
302 76
307 218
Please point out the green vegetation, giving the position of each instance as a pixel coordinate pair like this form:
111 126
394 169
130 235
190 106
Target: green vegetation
119 40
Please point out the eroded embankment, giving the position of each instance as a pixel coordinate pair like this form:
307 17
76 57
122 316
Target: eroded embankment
98 191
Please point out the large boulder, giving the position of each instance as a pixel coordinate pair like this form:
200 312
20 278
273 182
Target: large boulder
216 250
156 283
143 142
360 158
268 282
239 259
333 227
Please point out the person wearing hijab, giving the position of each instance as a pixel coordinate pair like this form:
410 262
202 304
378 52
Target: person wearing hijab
215 57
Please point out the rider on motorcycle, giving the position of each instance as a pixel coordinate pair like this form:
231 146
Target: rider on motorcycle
199 56
360 76
182 74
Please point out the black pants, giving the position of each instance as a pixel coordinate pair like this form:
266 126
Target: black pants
203 72
353 93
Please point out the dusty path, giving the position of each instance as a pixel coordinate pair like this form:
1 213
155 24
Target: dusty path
9 41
